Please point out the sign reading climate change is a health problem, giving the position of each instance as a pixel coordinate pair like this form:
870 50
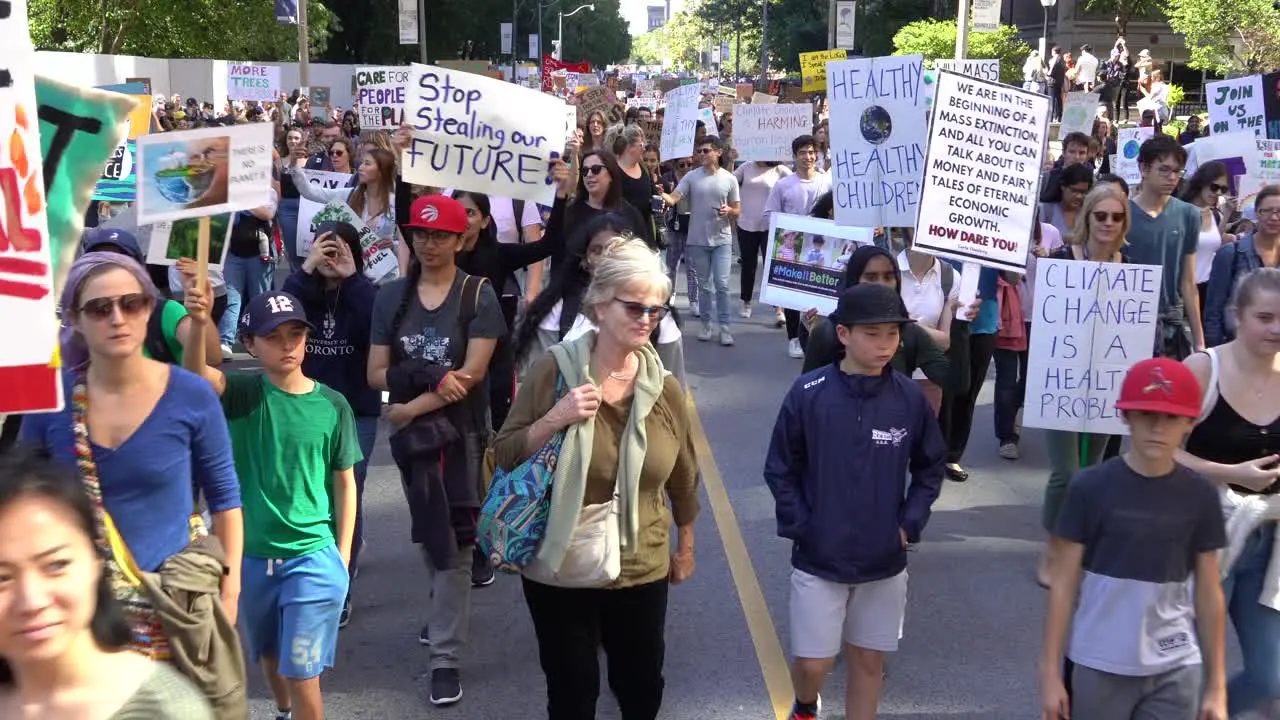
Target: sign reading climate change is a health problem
982 172
465 135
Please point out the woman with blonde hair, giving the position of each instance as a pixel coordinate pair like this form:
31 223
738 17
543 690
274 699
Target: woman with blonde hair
627 443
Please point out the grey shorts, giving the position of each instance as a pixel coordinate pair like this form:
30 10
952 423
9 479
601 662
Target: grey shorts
825 614
1171 695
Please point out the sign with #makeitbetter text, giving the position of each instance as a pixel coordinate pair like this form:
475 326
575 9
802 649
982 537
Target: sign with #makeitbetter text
804 261
1092 321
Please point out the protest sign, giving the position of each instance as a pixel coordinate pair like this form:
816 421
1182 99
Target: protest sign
680 122
643 102
599 99
988 70
1078 114
707 117
550 65
466 137
805 259
813 68
172 241
647 88
1092 321
764 132
380 262
982 172
878 134
724 104
1266 171
119 181
202 172
1128 142
744 91
253 82
763 99
380 93
1239 151
144 82
1235 105
308 209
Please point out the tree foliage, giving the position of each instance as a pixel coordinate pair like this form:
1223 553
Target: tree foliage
679 42
795 26
937 39
175 28
1231 37
1126 10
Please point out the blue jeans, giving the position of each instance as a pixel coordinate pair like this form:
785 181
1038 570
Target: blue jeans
246 279
712 265
1257 626
367 433
675 251
287 214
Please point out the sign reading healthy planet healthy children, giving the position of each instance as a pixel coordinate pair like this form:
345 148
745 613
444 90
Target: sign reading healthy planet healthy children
805 260
465 135
1092 321
764 132
380 93
982 172
203 172
680 122
253 82
878 133
1236 104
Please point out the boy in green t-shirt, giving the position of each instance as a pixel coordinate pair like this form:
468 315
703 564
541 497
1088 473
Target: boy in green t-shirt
295 447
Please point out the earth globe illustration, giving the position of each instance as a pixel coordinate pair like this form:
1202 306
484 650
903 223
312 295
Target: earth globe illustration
183 179
876 125
1131 149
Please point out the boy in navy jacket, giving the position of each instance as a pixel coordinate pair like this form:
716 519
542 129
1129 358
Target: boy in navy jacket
845 439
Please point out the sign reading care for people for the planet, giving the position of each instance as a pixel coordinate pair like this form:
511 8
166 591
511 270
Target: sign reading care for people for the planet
1236 104
203 172
805 259
878 133
253 82
1092 321
465 135
680 122
982 172
764 132
380 93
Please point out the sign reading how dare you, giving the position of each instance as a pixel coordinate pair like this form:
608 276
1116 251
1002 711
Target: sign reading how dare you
466 135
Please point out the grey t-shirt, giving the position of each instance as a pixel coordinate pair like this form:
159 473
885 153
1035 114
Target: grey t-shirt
1165 240
165 695
1141 536
707 193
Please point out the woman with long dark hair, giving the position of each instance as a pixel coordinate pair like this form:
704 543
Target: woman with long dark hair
627 144
593 132
1204 189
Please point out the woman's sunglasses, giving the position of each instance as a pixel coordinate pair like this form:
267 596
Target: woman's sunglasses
337 153
1102 215
592 170
1218 188
636 310
130 304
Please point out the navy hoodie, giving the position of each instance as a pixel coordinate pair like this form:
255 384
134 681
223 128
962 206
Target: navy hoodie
838 463
338 349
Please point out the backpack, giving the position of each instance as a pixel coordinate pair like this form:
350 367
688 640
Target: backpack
948 279
155 345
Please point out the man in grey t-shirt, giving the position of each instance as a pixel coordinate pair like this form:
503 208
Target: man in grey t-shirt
714 203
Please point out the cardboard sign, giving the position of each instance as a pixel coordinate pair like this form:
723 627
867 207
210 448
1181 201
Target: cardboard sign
680 122
765 132
466 137
1128 142
599 99
763 99
813 68
172 241
1092 321
380 262
878 134
308 209
805 259
1236 105
723 104
1078 114
380 94
253 82
982 172
203 172
744 91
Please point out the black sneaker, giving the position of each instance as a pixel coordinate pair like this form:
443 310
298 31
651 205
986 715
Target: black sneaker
481 569
446 686
345 617
424 638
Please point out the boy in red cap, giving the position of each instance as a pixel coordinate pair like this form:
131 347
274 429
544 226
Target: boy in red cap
1146 641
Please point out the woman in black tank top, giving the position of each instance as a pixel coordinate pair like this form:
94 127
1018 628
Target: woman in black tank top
1237 444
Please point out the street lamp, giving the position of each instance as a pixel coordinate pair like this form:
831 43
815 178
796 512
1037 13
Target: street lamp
560 32
1044 33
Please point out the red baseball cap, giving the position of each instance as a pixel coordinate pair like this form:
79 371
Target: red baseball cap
1161 385
437 212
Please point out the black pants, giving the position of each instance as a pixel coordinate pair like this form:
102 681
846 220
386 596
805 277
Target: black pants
571 624
502 381
751 246
957 407
1055 97
1122 103
1011 386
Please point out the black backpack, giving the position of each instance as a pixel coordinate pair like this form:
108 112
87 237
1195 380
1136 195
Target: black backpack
155 344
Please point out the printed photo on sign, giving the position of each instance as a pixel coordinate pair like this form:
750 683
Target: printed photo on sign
982 172
878 132
805 259
1092 321
203 172
172 241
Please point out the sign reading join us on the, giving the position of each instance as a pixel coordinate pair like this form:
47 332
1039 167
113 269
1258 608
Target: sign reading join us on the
465 135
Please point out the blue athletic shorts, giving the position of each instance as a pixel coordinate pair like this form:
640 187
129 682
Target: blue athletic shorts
294 604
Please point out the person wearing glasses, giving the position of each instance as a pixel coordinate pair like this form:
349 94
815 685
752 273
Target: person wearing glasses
599 191
1165 231
1204 189
627 441
677 221
1251 251
1076 181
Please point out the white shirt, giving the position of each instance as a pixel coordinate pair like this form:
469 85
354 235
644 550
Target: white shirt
503 213
1086 68
1209 242
923 298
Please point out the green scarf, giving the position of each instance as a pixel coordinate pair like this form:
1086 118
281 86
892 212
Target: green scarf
570 481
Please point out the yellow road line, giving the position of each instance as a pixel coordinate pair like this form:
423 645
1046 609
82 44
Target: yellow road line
773 662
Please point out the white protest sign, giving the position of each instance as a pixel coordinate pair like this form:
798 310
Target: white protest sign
759 98
680 122
1128 142
466 136
804 261
982 172
194 173
308 209
988 70
380 262
708 118
253 82
1092 321
1235 105
765 132
1239 151
380 93
878 135
643 102
1078 114
172 241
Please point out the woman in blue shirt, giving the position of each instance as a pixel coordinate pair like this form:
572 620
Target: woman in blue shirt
156 431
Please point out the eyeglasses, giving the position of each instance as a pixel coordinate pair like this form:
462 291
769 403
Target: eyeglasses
1218 188
1102 216
131 305
1078 191
1169 172
433 237
337 153
592 170
636 310
1269 212
706 151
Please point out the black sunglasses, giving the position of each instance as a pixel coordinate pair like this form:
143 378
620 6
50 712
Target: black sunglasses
682 165
1218 188
130 304
636 310
592 169
705 150
1102 215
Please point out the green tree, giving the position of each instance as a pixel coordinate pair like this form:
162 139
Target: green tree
795 26
174 28
1125 10
878 21
679 42
1235 37
937 39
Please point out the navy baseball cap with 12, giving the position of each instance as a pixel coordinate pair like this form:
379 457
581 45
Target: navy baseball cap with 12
269 311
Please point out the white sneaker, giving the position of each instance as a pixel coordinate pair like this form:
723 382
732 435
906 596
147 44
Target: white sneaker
705 333
745 311
794 350
693 308
227 353
725 338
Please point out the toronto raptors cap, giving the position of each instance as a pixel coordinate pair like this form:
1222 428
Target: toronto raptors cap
269 311
437 212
